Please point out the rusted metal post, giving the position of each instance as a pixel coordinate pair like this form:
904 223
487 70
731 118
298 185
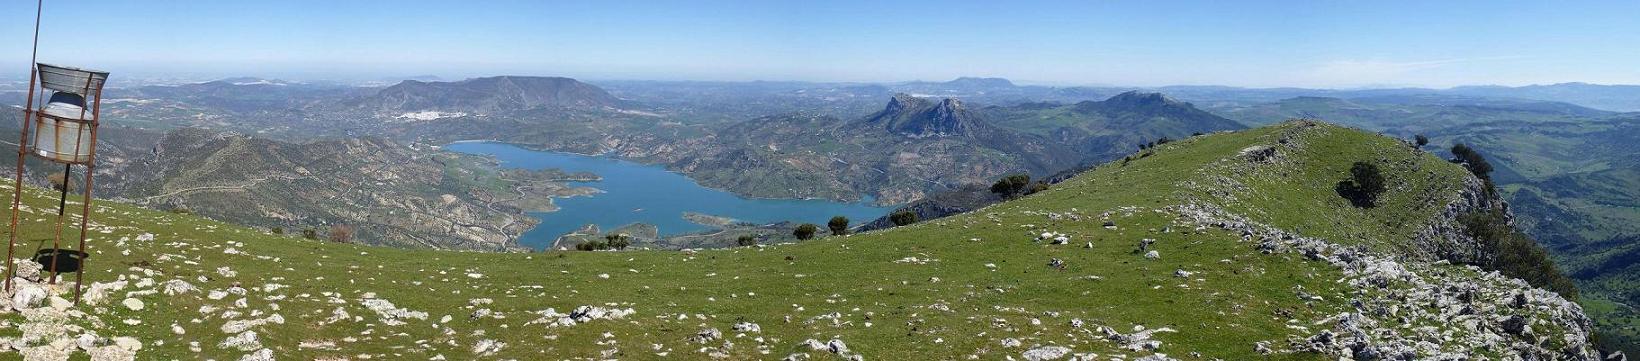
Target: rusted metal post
17 191
22 148
85 215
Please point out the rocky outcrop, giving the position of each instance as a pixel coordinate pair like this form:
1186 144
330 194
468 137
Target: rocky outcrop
1407 309
916 117
1444 236
940 205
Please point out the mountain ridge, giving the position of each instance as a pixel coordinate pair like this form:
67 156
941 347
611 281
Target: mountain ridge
487 95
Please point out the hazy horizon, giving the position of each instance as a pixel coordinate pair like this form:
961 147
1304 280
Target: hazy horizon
1253 44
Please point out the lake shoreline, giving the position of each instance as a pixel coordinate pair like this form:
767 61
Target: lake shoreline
634 192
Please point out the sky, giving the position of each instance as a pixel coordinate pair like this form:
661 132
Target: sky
1310 43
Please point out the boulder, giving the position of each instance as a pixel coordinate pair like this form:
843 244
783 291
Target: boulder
28 296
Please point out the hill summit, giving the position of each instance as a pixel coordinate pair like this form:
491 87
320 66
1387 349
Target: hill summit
980 83
488 95
917 117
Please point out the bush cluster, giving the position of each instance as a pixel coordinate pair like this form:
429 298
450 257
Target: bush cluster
612 241
903 217
1015 185
1515 254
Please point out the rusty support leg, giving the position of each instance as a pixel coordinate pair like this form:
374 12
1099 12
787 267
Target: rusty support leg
17 191
16 203
62 207
85 215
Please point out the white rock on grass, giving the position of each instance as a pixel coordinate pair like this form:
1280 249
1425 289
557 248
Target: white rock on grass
100 291
245 341
1045 353
706 335
237 326
27 296
128 343
177 287
27 269
259 355
391 315
487 347
132 304
581 314
747 327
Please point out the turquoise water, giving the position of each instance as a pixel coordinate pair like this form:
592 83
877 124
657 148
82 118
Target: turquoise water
636 192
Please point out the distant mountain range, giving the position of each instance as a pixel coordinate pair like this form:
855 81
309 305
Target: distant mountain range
1625 98
486 95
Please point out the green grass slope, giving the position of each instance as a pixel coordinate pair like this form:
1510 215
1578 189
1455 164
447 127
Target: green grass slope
1236 275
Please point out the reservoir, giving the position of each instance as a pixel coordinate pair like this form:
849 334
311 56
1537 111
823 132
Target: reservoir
635 193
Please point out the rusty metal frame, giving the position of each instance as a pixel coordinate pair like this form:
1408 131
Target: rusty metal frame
25 144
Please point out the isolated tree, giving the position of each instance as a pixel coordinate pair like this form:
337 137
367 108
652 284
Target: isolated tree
1011 185
805 231
1472 160
1366 183
617 241
278 230
1368 179
746 241
903 217
1163 140
310 233
341 233
838 225
1420 140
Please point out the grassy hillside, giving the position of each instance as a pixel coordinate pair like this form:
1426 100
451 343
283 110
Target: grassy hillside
1220 284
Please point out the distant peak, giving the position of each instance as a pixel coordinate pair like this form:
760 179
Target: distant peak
916 117
489 95
1141 98
981 82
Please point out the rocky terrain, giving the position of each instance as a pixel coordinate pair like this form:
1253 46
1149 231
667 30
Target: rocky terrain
1202 250
388 192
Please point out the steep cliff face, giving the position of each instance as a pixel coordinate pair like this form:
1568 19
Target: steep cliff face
1444 236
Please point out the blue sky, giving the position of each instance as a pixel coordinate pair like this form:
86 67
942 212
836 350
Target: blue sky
1144 43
